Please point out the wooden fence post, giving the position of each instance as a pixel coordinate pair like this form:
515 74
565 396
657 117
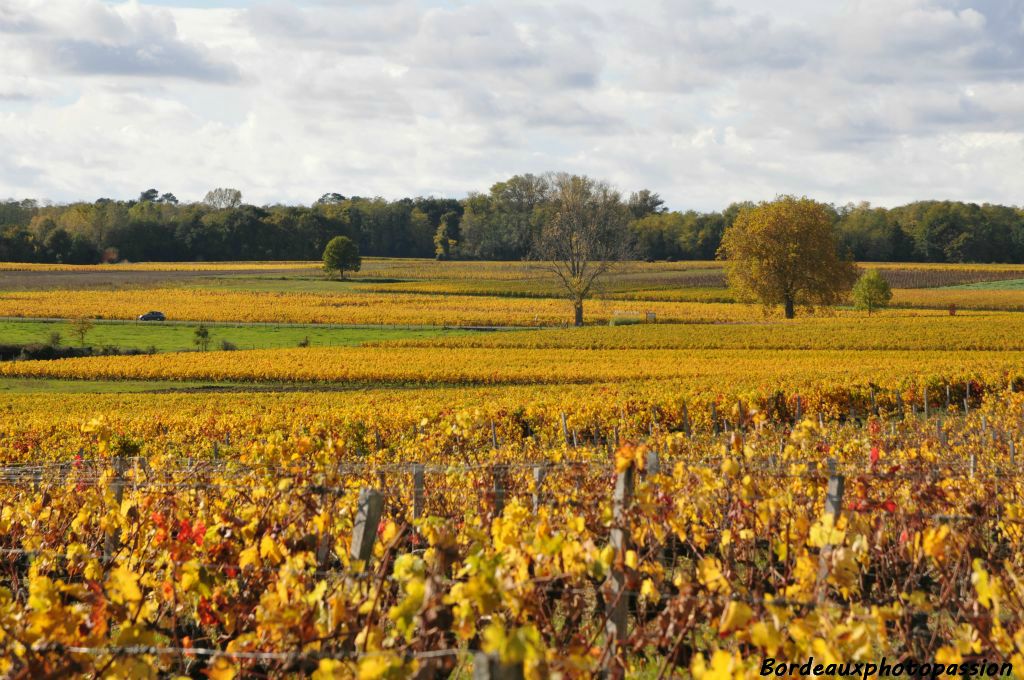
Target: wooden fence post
686 420
653 466
494 436
565 431
489 667
499 479
799 408
833 507
539 472
323 546
714 418
113 540
418 490
617 599
925 399
369 509
834 497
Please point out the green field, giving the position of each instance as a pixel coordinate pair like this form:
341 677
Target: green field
1009 284
176 336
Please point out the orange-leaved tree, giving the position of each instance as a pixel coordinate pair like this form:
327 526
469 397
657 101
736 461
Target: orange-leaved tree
784 252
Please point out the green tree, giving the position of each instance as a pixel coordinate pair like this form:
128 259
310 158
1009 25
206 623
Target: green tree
871 292
504 223
784 252
341 255
446 238
330 198
867 232
201 338
58 245
645 202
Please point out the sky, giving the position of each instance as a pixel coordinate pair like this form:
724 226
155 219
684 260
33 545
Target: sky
705 102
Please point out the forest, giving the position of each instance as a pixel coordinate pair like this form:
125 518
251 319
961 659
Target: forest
496 225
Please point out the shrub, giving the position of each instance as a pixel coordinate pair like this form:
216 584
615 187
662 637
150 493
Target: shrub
202 337
871 292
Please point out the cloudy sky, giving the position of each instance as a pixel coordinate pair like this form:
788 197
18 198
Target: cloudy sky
703 101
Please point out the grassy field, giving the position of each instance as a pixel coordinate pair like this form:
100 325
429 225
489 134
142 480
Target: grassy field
1009 284
178 336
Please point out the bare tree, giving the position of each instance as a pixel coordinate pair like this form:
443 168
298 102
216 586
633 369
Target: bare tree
80 328
222 198
586 232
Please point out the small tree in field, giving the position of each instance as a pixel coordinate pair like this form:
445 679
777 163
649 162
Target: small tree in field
341 255
202 337
80 328
871 292
784 252
586 232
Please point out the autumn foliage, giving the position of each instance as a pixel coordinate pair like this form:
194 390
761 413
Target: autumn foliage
222 547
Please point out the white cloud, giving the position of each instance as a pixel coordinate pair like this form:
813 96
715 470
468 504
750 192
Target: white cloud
88 37
704 101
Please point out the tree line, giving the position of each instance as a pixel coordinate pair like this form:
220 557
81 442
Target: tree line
500 224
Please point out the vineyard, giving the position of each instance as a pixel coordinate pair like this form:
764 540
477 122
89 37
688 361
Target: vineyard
649 540
688 497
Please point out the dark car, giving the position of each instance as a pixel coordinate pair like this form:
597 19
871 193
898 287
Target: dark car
153 316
